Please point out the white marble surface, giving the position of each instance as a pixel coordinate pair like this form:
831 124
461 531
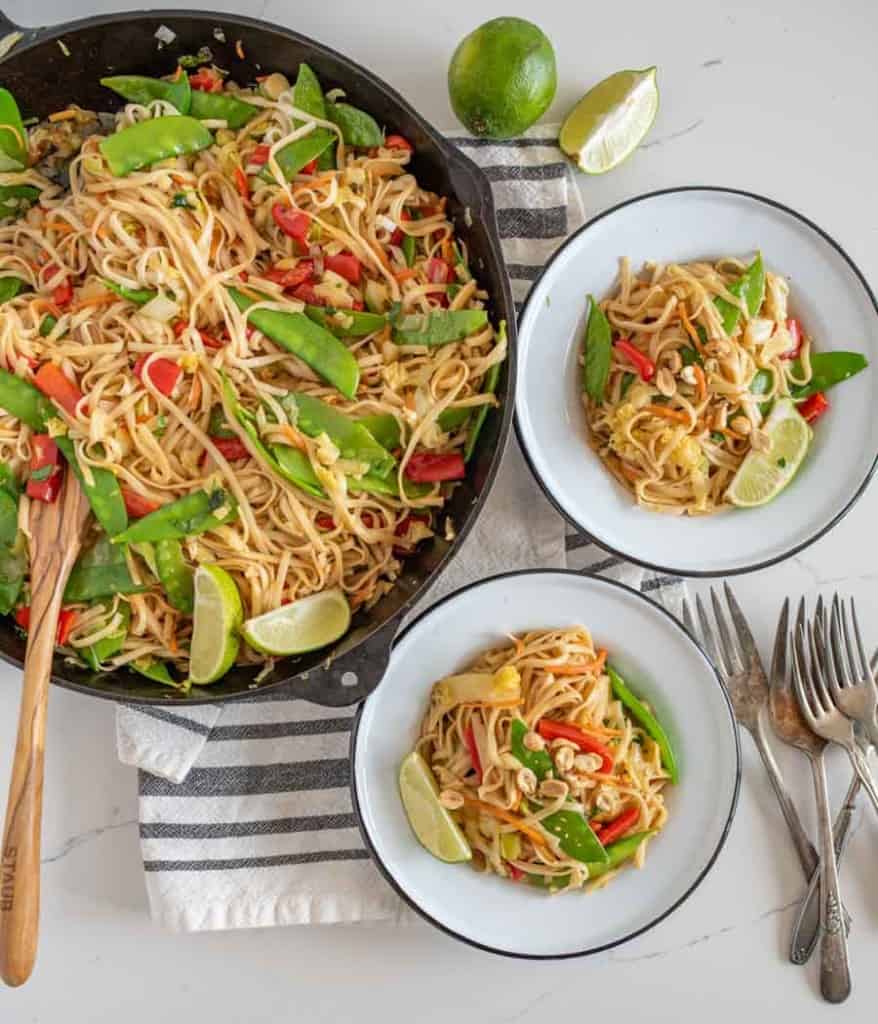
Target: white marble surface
774 97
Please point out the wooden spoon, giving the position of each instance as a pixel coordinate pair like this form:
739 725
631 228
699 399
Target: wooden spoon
57 531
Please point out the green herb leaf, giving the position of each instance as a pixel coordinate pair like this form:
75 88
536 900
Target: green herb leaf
598 352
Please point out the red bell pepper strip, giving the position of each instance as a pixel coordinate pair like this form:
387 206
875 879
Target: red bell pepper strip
615 829
814 407
62 295
797 335
398 142
398 234
346 265
430 467
259 156
643 364
551 730
66 619
402 531
439 272
516 874
309 167
305 293
53 383
206 80
46 470
231 448
242 184
469 740
208 340
136 505
301 273
163 373
293 223
324 521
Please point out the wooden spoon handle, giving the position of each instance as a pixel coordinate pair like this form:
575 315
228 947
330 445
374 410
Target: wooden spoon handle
20 868
56 538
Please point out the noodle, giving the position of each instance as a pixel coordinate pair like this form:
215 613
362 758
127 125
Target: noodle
502 807
184 229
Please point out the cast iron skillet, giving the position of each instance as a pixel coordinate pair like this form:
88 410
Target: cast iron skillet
43 79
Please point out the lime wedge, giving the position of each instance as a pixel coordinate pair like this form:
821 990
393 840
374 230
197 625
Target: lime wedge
763 475
611 119
430 821
217 619
304 625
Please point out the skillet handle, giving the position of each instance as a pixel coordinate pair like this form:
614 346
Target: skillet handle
351 677
7 25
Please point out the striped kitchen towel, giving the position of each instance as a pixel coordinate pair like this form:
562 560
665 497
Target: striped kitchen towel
245 810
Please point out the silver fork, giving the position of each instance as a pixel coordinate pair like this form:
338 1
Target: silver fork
850 677
790 727
741 670
827 722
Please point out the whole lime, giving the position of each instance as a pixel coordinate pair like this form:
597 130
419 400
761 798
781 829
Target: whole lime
502 77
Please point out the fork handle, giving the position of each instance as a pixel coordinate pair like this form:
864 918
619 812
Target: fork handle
864 773
804 847
806 927
835 974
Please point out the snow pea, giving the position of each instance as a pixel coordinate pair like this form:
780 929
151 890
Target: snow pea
9 492
10 287
384 428
409 246
451 419
107 646
101 571
313 344
357 127
539 761
139 296
618 853
296 467
751 287
577 839
355 325
149 142
217 425
15 199
194 513
598 352
644 717
489 386
308 97
438 328
217 106
13 566
314 417
143 90
155 670
827 370
371 484
47 325
175 575
103 493
284 460
21 399
13 137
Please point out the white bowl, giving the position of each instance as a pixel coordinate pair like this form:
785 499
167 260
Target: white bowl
828 293
659 660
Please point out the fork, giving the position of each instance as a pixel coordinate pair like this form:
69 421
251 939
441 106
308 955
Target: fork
790 727
851 682
829 723
743 676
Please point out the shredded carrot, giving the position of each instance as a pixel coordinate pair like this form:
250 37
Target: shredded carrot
59 225
105 299
295 437
690 330
700 382
629 472
239 49
194 392
508 817
669 414
382 255
410 400
405 275
62 115
40 303
325 179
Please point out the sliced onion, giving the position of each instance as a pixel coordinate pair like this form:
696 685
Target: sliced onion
161 308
